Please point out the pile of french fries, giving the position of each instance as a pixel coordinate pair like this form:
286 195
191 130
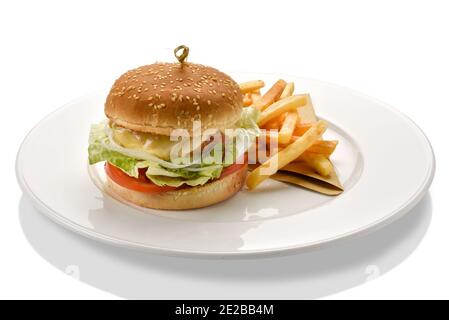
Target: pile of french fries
297 141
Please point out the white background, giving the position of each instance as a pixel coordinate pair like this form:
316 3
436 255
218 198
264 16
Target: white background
54 51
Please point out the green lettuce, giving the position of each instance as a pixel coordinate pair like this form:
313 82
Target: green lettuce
177 182
177 177
98 153
248 120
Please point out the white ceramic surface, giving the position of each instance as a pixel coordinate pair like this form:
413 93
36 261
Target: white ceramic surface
384 161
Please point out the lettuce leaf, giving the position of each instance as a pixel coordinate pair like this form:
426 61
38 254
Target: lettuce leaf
98 153
208 172
177 182
177 177
248 120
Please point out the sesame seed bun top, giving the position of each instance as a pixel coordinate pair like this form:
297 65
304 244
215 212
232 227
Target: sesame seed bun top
161 97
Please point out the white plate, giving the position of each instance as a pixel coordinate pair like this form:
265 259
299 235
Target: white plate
384 161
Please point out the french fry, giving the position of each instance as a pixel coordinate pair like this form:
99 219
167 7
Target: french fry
251 86
286 132
324 147
301 128
285 156
281 106
272 124
318 162
288 90
247 101
275 123
271 95
267 135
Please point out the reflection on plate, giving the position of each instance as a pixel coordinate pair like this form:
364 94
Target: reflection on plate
306 275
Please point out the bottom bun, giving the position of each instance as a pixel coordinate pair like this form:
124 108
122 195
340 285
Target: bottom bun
185 198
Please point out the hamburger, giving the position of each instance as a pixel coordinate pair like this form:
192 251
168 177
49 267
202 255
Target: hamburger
146 109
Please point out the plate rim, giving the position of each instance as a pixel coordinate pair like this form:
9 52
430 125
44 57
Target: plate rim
254 253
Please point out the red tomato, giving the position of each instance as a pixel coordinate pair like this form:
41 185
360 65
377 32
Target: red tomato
231 169
141 184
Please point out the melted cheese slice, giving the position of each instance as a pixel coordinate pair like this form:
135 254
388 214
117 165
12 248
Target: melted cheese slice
155 144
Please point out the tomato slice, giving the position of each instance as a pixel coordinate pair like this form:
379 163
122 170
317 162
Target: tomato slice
143 184
231 169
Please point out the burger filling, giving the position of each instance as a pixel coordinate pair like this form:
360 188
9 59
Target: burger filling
133 152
